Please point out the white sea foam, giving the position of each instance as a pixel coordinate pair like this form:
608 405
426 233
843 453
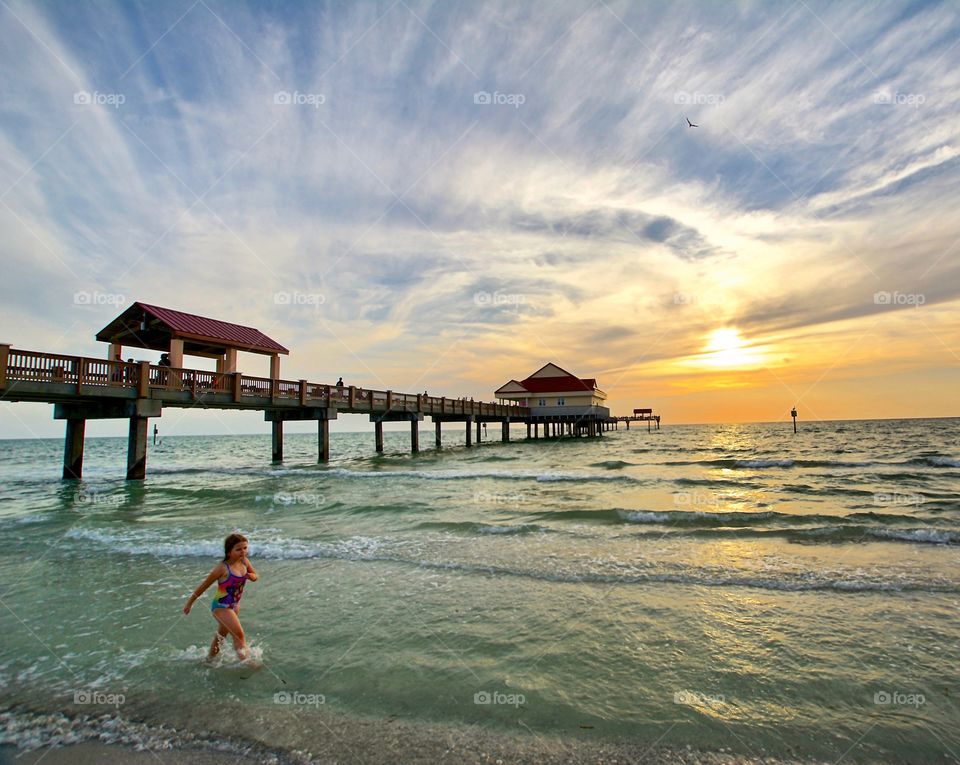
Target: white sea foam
943 461
927 536
277 548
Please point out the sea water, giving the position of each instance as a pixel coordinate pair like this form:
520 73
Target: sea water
732 586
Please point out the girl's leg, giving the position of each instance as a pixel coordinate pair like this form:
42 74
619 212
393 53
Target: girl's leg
231 622
217 641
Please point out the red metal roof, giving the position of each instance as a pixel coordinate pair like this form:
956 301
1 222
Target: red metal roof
223 331
557 384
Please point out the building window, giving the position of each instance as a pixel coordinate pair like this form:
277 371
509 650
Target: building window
561 402
543 402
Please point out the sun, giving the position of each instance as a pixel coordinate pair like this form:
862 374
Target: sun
727 349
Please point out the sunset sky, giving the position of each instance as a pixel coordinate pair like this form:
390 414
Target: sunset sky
444 196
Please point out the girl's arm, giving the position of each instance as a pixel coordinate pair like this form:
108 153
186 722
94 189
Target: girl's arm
251 574
212 577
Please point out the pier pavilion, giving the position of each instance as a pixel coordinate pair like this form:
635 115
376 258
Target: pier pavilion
559 401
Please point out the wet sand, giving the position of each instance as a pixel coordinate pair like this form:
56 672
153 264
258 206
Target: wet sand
381 742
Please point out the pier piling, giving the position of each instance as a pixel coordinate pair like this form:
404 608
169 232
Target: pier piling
323 440
73 450
378 436
277 433
137 449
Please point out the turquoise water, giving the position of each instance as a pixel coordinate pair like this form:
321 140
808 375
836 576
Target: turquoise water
718 586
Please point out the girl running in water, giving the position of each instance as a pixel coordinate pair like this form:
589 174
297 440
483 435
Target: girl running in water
226 604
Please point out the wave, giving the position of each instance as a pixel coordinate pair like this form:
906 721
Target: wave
937 461
611 464
454 475
470 527
789 462
791 583
841 534
274 548
361 549
713 519
784 462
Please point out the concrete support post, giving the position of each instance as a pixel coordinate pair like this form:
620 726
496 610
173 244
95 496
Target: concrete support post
73 450
137 449
378 436
323 440
277 428
414 436
479 438
505 430
437 425
528 430
469 430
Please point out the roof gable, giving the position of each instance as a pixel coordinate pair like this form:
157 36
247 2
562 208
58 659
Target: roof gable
550 370
511 387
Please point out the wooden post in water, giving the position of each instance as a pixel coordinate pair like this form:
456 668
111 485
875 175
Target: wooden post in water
793 413
137 449
277 433
323 440
479 435
414 435
73 450
469 422
505 430
378 436
437 425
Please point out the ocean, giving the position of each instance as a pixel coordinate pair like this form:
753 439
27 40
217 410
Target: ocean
732 587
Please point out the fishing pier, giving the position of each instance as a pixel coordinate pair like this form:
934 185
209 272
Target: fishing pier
83 388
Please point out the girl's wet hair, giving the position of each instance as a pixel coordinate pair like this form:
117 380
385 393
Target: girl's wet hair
229 543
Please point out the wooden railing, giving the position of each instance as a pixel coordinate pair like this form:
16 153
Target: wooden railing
86 375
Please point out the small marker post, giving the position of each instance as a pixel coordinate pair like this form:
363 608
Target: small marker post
793 413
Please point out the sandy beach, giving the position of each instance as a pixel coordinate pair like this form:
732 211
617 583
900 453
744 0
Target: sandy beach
346 740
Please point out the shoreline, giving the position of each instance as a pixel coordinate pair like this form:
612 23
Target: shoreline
28 736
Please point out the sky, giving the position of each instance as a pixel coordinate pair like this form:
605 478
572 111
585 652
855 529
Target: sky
445 196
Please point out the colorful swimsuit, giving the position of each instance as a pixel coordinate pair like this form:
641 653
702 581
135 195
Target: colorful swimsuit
229 591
